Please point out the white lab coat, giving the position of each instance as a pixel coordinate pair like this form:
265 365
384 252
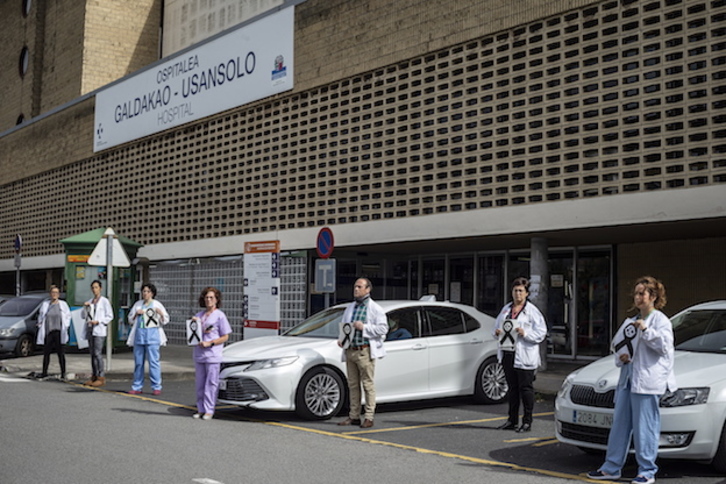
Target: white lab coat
375 329
66 321
101 312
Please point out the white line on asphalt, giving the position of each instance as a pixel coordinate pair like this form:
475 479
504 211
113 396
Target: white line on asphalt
12 379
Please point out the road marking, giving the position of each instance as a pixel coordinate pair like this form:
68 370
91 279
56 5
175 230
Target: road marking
528 439
442 424
206 480
13 379
549 441
492 463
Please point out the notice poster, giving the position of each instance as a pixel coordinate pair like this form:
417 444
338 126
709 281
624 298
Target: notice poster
261 299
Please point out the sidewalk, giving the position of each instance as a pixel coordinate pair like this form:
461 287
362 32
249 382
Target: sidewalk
177 364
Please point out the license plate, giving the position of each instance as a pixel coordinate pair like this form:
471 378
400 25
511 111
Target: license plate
223 384
592 419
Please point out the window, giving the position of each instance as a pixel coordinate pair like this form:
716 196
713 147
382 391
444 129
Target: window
24 61
442 321
403 324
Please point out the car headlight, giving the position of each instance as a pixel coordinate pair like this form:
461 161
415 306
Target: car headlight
567 384
685 396
271 363
7 332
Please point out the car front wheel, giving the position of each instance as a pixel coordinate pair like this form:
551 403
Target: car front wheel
24 347
320 394
491 385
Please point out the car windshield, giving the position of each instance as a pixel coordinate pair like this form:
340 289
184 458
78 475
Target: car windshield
324 324
703 331
18 307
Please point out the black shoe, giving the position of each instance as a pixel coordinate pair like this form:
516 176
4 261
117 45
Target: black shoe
507 426
524 428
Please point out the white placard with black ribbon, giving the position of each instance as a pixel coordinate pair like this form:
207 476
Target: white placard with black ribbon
508 338
345 335
626 339
194 332
151 318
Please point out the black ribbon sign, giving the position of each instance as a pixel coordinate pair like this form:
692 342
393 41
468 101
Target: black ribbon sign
508 328
629 333
90 312
151 321
194 336
346 328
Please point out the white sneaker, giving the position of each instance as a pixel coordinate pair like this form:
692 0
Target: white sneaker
207 416
197 415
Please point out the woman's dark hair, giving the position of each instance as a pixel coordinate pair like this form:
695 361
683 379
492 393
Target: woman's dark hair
96 281
150 287
217 294
521 281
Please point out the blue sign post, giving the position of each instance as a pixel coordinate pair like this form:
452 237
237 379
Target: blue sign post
325 270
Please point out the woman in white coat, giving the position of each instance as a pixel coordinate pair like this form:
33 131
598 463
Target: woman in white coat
520 321
646 373
54 319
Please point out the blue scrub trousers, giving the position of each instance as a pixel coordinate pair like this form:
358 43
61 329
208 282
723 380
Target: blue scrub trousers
142 353
637 416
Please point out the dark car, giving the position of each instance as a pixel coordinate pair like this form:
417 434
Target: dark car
18 318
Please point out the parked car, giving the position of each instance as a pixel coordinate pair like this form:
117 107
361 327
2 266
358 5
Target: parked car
18 318
692 419
451 352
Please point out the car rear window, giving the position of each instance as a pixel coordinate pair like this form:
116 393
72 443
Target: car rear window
443 321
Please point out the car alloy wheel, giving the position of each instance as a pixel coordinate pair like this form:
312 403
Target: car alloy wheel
491 384
320 394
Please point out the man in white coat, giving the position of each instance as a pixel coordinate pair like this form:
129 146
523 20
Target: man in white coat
371 326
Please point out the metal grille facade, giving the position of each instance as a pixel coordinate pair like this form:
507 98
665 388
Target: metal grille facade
179 284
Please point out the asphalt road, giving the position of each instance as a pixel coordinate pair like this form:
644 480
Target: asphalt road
52 432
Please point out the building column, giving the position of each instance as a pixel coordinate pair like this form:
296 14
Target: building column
539 283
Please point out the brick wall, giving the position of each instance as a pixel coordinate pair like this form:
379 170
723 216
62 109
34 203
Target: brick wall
76 47
340 38
121 37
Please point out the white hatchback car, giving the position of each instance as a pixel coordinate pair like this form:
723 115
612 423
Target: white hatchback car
449 350
692 418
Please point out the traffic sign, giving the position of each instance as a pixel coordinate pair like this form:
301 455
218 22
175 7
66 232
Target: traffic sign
325 243
325 275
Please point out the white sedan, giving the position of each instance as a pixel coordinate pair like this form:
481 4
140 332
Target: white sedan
692 418
447 350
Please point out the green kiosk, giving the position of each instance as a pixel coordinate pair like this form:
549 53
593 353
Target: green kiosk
79 275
